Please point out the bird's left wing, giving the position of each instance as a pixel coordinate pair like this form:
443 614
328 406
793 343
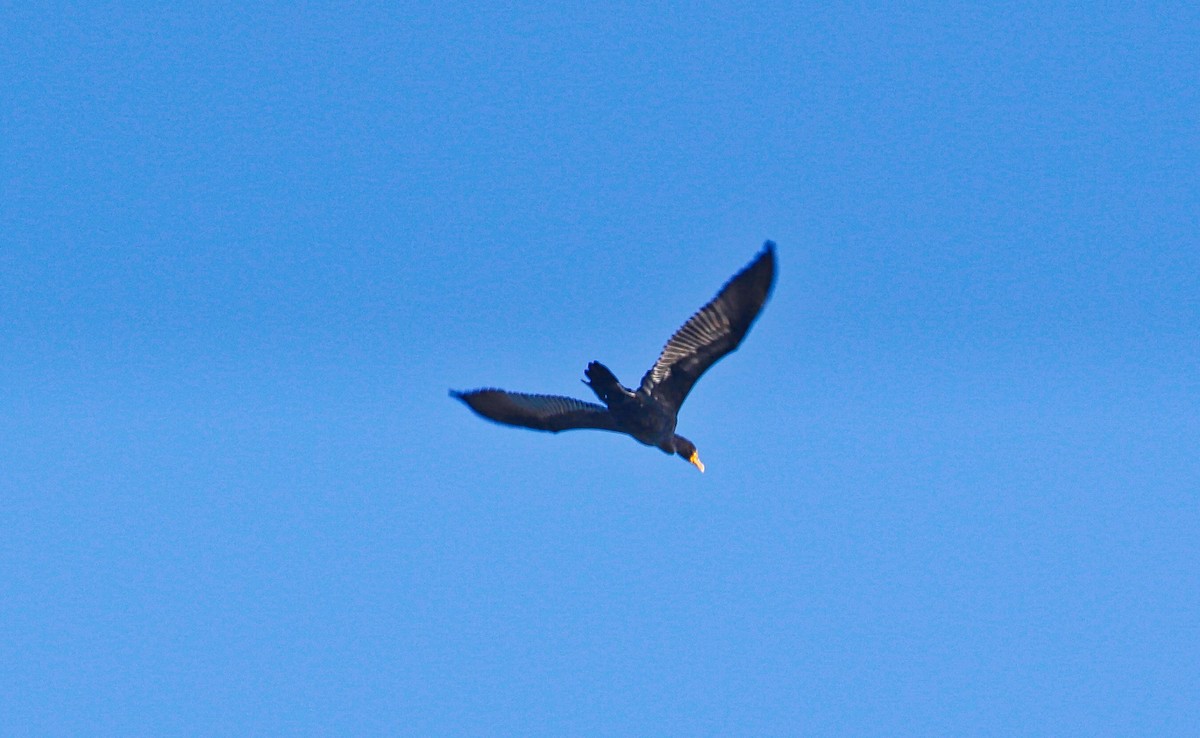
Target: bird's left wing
539 412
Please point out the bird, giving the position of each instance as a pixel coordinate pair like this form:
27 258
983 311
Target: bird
650 413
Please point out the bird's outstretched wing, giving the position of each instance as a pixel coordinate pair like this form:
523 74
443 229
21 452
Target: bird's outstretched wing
539 412
713 331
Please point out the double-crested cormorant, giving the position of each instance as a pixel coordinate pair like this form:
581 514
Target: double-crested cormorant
648 414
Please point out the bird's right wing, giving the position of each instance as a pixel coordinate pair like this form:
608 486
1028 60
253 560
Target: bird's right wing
539 412
715 330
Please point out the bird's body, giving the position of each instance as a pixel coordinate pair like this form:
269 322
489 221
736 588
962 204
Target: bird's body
649 413
635 413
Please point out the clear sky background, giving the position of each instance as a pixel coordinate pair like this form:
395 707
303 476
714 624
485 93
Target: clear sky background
952 479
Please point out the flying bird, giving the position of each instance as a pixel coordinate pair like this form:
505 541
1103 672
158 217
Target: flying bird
649 413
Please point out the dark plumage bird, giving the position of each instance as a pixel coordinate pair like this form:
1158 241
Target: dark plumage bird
649 413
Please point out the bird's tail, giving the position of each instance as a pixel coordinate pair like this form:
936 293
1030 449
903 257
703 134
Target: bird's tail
602 381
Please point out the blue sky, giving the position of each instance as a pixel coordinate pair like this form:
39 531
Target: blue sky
952 473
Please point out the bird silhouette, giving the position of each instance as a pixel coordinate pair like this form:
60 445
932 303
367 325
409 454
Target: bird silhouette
649 413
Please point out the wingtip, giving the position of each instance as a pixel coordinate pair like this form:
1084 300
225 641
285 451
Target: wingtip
765 256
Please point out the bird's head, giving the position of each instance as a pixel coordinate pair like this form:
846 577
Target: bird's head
687 450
